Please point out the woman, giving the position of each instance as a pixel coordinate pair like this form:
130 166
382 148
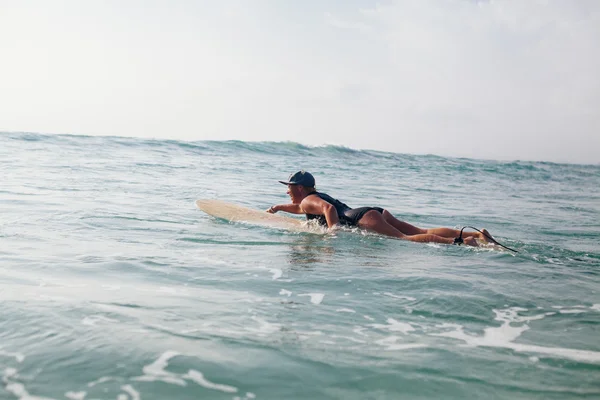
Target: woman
332 212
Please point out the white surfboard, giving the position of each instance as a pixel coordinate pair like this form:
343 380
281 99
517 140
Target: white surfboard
236 213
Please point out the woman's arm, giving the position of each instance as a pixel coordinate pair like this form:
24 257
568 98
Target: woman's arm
289 208
317 206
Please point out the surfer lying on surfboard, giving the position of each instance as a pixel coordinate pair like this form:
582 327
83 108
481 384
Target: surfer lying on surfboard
332 212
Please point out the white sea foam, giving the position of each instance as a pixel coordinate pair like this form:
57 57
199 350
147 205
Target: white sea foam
17 356
504 336
307 335
350 338
265 327
573 354
277 273
284 292
561 307
346 310
399 297
94 319
16 388
359 331
249 396
134 394
390 343
331 342
76 395
315 298
395 326
595 307
100 380
9 373
199 378
156 371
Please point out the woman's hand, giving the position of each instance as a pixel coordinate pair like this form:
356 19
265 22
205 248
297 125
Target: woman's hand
272 210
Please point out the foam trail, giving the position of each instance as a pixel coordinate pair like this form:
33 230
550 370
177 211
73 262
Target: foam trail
390 344
399 297
561 307
156 371
199 378
350 338
100 380
395 326
504 335
18 356
573 354
76 395
315 298
18 389
265 326
94 319
277 273
131 392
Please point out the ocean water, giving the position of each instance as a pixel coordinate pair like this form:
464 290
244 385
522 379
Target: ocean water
113 285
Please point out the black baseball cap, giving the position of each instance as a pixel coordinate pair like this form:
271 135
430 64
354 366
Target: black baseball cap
300 178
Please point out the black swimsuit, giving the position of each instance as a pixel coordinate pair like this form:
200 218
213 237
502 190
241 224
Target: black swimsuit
348 216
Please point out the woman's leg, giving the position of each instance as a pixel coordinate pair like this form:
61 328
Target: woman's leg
402 226
375 221
409 229
449 232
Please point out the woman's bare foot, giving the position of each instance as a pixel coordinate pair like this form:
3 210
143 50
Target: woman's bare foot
485 236
470 241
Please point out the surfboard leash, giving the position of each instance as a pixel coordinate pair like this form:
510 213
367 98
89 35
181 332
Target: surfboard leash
459 239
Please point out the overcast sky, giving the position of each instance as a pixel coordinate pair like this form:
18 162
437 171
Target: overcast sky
514 79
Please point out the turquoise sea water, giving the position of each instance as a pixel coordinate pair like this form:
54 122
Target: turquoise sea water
114 286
